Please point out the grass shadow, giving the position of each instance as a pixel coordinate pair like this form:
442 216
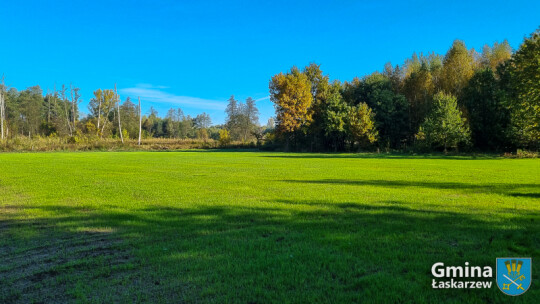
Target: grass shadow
386 156
316 251
500 188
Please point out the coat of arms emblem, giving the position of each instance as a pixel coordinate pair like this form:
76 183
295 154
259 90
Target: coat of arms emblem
514 275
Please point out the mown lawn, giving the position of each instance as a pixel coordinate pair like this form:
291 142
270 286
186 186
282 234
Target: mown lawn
247 227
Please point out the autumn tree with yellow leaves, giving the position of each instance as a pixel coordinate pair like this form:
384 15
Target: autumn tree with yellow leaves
291 94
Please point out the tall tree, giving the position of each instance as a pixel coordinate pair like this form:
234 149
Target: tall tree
394 74
252 112
488 115
117 101
171 128
435 63
67 110
95 107
186 127
2 107
250 118
202 121
140 121
152 124
271 123
31 101
102 106
493 56
234 117
445 126
291 94
334 116
524 99
75 100
361 125
130 118
12 112
107 106
320 90
411 65
458 68
419 89
392 117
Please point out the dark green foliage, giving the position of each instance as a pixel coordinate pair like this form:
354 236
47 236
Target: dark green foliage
419 89
445 127
130 118
320 90
391 108
24 113
361 126
524 101
488 116
334 114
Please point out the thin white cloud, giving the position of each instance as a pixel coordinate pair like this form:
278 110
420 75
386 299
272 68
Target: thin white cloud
150 86
157 95
264 98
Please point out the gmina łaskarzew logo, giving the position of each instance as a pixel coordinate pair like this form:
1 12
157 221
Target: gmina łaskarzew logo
461 276
514 275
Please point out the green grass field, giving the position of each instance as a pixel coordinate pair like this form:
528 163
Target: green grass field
248 227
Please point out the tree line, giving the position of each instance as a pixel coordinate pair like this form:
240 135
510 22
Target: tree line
30 113
466 100
488 101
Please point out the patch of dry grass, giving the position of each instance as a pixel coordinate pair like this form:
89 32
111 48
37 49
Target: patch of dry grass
45 144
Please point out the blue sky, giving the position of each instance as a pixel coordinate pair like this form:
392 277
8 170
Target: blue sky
195 54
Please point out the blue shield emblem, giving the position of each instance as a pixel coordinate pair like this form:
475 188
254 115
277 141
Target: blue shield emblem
514 275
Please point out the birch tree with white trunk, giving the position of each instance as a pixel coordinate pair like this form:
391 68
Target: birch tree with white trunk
2 107
140 121
118 108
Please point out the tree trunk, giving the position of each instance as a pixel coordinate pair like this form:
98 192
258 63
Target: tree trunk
103 126
74 114
118 107
67 117
73 109
2 111
120 124
2 107
140 121
48 108
99 115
